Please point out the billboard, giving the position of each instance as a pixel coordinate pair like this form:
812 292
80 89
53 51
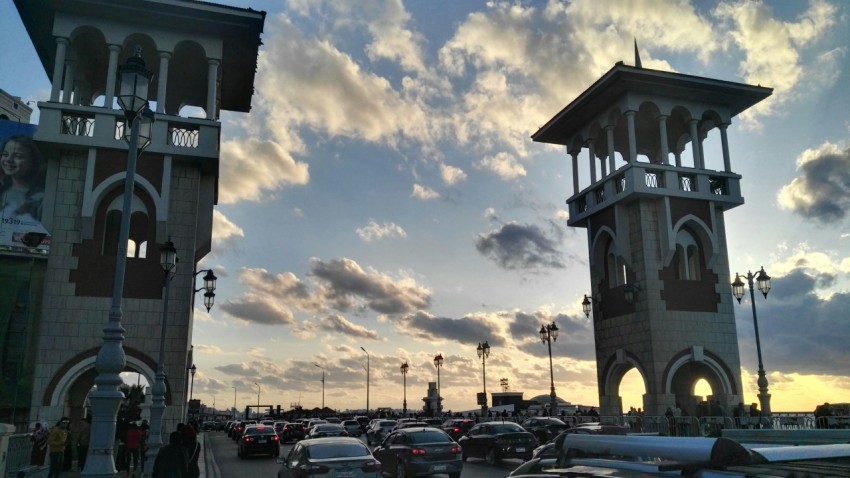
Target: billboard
22 181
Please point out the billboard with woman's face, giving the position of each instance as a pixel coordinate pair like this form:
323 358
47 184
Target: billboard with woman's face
22 177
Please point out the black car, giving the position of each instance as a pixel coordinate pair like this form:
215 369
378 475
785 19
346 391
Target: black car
258 440
289 431
419 451
544 428
457 427
494 441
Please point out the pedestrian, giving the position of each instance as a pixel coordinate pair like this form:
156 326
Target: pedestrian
132 446
56 446
39 444
193 449
172 460
83 434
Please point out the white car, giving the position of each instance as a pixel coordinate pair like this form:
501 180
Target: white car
352 427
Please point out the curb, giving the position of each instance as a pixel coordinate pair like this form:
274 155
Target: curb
210 469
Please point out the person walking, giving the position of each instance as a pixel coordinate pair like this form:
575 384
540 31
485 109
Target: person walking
172 461
133 445
39 445
56 446
83 434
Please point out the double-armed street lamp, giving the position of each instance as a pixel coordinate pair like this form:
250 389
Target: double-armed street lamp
209 287
192 371
368 367
438 362
133 82
763 281
404 368
323 383
483 351
548 334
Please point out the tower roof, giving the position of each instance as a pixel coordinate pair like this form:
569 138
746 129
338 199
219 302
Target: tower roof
623 79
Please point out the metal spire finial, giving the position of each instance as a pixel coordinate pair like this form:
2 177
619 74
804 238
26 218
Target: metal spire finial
637 56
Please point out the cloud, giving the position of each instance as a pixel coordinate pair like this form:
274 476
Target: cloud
465 330
451 175
344 283
226 235
374 231
503 165
258 309
423 193
821 190
772 46
516 246
252 166
339 324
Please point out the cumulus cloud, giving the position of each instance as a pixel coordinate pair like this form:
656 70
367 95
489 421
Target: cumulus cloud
821 190
341 325
344 283
258 309
451 175
503 165
374 231
424 193
515 246
250 167
466 330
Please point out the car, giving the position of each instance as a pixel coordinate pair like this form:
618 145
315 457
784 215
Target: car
258 440
419 451
309 424
544 428
550 448
240 427
352 427
334 457
494 441
402 425
289 431
378 429
336 420
457 427
434 422
327 430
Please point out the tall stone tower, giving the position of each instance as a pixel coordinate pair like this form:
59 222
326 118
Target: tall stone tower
203 58
654 214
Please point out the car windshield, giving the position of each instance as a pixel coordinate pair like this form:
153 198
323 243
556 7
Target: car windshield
506 428
328 427
258 431
388 424
337 450
429 437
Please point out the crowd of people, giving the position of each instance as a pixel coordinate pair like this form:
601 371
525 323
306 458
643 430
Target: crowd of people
55 445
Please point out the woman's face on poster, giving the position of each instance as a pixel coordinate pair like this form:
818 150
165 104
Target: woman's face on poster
16 160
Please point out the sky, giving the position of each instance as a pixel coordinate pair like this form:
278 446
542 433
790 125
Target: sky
384 194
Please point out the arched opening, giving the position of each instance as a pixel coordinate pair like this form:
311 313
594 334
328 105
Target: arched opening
632 390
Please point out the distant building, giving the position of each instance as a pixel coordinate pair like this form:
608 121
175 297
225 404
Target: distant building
13 108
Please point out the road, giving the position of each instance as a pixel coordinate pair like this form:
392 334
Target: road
223 449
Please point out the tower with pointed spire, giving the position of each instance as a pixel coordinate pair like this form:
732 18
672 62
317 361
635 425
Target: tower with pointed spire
651 180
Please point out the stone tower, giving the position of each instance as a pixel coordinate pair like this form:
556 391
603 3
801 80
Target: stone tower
203 57
652 178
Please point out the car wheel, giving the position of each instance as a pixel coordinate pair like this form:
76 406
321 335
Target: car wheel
400 470
491 457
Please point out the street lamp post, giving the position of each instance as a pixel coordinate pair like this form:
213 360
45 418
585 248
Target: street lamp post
483 351
168 260
548 334
438 362
209 287
234 402
368 367
738 291
323 383
192 370
404 368
258 399
133 82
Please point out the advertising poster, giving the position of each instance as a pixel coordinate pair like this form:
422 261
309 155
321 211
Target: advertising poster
22 176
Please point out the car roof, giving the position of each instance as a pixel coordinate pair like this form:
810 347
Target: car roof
330 441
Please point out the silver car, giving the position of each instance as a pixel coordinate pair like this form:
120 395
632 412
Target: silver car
337 457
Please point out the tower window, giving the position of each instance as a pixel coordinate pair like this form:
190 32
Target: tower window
687 256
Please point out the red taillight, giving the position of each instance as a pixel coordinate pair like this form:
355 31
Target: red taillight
275 438
455 450
456 430
247 439
417 451
371 466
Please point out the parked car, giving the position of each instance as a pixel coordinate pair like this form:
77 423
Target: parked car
402 425
494 441
544 428
378 429
434 422
258 440
420 451
457 427
352 427
335 457
327 430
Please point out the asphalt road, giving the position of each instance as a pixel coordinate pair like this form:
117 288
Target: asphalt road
223 450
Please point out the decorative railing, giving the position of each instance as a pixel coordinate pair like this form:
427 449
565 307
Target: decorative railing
78 124
654 179
185 137
687 183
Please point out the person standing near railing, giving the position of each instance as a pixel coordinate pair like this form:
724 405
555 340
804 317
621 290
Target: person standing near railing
39 445
56 445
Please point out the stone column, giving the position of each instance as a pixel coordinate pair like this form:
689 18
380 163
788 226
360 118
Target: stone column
111 72
58 68
212 83
162 81
630 118
662 137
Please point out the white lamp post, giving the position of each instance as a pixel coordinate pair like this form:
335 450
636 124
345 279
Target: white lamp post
133 82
